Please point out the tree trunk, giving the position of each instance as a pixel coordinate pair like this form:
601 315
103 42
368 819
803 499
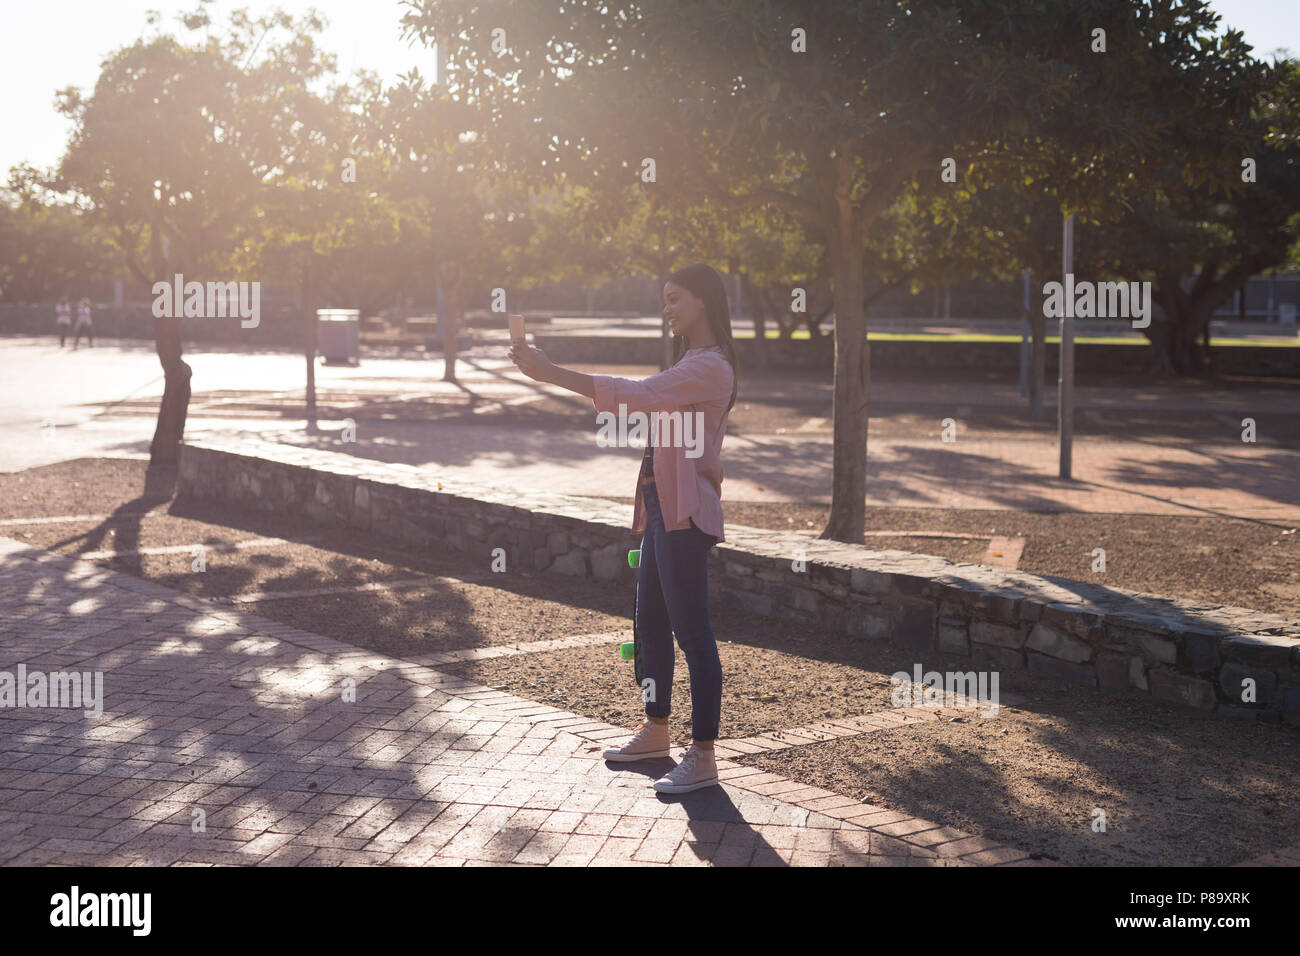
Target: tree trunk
1183 352
852 371
174 407
1187 315
813 318
453 277
785 319
1037 363
755 308
309 330
165 449
1175 340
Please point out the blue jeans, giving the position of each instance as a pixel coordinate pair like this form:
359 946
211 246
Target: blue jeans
672 597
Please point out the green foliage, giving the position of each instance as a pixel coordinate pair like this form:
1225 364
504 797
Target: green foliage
175 146
522 166
47 248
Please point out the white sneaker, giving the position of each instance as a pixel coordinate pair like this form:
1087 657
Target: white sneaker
698 769
649 741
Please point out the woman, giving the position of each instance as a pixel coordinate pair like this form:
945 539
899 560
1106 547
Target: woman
678 509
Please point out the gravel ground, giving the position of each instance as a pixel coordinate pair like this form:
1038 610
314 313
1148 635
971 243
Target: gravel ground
80 487
1176 789
775 678
447 615
1221 560
1181 789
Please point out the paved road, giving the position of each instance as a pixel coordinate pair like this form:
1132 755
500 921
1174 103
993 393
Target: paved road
101 402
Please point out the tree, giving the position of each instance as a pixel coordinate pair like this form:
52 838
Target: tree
654 235
1219 235
770 252
462 210
986 227
170 151
825 110
48 247
322 220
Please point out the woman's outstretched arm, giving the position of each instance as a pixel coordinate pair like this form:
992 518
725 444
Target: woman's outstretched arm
680 385
533 362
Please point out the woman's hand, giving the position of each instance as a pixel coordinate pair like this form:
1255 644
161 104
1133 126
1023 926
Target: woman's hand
532 361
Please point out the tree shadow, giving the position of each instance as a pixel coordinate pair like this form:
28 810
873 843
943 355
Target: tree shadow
1174 789
219 711
1270 474
123 525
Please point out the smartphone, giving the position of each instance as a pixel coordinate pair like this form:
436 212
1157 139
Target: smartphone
517 330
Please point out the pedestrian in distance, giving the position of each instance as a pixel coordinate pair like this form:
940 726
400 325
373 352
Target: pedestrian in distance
63 319
83 322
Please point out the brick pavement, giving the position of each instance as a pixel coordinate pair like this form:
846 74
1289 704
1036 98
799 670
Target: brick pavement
213 709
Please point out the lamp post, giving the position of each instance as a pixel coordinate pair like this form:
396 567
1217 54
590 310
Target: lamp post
1024 340
1065 380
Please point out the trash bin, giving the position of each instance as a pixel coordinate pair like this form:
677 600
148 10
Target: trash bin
1286 313
338 335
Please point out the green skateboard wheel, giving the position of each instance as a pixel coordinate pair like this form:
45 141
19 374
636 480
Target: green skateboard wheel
627 650
634 558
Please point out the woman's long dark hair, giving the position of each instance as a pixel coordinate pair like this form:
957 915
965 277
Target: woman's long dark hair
705 284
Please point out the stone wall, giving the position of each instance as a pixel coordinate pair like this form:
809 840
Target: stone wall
1188 653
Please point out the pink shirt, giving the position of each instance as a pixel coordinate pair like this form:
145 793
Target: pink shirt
690 489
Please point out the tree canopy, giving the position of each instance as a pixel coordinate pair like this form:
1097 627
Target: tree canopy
838 148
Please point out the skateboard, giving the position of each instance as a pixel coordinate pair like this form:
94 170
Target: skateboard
632 649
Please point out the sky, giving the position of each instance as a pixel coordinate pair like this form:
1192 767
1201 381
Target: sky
49 45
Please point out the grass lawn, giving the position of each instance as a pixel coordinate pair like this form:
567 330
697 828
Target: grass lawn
1051 339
